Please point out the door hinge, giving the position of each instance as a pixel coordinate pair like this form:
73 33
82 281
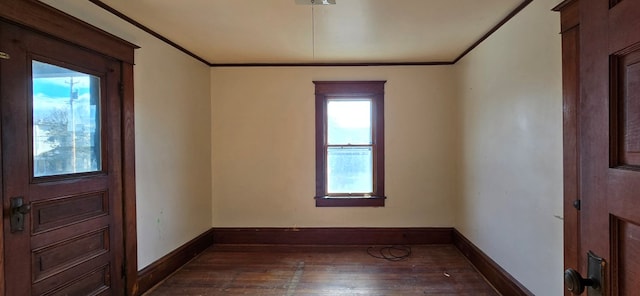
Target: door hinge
577 204
4 56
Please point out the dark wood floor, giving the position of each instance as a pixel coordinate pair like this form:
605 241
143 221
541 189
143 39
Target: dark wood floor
324 270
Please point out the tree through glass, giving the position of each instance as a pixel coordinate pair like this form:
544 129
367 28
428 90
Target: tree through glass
66 121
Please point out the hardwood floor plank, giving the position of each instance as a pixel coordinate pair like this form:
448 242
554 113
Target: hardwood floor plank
324 270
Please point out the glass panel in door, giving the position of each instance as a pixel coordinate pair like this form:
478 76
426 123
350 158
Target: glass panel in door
66 121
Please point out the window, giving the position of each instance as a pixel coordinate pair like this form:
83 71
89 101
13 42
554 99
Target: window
349 143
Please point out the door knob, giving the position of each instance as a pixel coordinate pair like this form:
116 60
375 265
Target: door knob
575 283
18 210
23 209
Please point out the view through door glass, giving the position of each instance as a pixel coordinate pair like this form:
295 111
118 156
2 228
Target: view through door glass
66 121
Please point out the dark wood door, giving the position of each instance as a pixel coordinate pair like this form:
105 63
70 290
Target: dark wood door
610 140
61 159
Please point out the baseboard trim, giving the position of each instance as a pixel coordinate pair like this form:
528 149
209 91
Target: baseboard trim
333 236
165 266
498 277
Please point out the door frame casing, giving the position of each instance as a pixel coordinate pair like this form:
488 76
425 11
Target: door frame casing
570 30
41 18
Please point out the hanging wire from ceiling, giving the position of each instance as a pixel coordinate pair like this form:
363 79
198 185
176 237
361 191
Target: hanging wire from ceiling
313 30
313 22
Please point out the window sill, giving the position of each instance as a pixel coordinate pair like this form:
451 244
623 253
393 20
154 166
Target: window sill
347 201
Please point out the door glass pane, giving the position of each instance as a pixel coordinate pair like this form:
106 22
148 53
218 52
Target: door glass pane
349 122
349 170
66 121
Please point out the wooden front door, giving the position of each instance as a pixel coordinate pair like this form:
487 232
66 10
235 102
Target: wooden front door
61 167
609 137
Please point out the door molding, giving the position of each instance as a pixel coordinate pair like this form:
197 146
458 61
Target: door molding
570 30
43 18
39 17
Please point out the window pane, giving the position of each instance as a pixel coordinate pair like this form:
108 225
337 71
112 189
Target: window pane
66 121
349 170
349 122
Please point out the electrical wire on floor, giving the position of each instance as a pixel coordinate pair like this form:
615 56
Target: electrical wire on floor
390 253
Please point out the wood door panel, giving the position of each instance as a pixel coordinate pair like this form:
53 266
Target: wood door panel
61 278
61 188
93 283
625 96
68 210
78 279
53 236
622 193
626 250
60 256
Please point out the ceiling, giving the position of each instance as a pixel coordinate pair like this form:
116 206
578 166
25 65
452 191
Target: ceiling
294 32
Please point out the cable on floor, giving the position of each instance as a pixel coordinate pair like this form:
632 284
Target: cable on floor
390 253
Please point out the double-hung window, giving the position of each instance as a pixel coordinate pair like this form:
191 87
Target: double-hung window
349 143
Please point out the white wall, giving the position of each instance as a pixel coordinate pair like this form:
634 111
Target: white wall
511 145
264 154
173 136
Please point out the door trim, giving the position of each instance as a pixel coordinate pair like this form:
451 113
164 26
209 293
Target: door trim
570 30
45 19
42 18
